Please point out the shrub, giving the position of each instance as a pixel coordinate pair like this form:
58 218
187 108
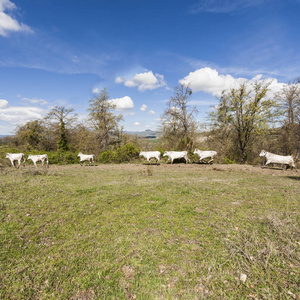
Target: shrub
122 154
228 161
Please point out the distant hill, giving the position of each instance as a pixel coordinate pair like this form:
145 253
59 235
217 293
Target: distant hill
144 134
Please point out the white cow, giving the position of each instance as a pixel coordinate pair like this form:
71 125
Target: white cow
41 157
176 155
150 154
277 159
205 154
86 157
16 156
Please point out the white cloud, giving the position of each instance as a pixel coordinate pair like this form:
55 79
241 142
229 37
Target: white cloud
124 103
12 116
35 101
224 6
96 91
210 81
7 23
3 104
144 81
137 124
151 112
119 79
143 107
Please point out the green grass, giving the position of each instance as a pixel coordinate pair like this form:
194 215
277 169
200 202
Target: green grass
149 232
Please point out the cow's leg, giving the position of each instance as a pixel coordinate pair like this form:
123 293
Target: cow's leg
294 166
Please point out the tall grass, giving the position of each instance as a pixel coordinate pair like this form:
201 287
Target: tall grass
149 232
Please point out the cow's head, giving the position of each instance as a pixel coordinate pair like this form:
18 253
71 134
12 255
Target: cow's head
262 153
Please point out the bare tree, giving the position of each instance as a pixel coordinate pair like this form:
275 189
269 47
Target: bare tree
178 121
103 119
289 97
61 114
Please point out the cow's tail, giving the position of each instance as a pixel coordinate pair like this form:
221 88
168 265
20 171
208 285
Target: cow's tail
23 157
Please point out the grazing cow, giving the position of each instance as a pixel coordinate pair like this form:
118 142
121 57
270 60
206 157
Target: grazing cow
41 157
277 159
176 155
86 157
16 156
150 154
205 154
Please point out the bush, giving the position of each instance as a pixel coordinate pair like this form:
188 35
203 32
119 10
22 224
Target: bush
62 158
108 156
228 161
122 154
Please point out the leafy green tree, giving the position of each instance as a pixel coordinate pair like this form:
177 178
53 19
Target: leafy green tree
178 121
31 135
243 113
103 120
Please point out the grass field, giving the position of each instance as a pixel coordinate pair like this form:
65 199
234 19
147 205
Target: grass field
149 232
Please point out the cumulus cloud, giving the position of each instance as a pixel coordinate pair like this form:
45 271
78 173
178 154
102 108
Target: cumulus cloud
210 81
151 112
7 22
124 103
137 123
3 104
143 107
35 101
144 81
119 80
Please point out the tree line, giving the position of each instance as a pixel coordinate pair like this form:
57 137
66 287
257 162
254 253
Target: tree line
245 120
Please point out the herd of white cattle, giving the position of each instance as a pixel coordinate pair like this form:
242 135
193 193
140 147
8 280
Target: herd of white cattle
270 158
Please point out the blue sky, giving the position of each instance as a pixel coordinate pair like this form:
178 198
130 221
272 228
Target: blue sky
62 52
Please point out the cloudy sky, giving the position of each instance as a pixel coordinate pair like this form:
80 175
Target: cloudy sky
63 52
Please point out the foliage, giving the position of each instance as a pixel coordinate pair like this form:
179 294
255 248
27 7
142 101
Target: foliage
31 135
242 114
122 154
228 161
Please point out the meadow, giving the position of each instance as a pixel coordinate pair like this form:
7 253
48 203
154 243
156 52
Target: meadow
134 231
